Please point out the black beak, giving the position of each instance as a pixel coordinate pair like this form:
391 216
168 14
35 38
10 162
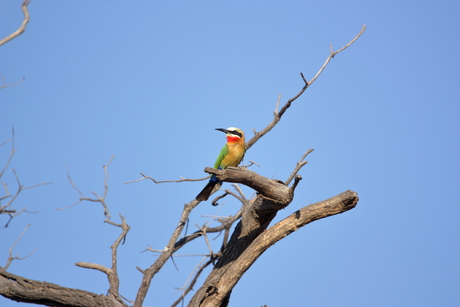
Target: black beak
223 130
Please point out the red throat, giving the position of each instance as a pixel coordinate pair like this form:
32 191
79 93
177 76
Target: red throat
231 139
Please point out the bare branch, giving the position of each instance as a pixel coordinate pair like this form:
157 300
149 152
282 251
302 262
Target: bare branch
112 273
299 165
27 290
277 115
13 151
10 252
94 266
272 189
334 53
21 28
199 269
113 276
150 272
225 224
203 231
237 259
5 142
4 85
164 181
229 192
173 245
15 196
98 198
6 209
251 164
277 104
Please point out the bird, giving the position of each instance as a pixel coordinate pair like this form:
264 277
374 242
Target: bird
230 155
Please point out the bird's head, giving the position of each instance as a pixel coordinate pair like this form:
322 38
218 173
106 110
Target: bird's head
233 134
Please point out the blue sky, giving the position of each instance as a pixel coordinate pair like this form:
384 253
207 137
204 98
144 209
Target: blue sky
149 81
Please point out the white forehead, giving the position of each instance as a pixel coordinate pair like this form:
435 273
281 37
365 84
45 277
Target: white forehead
232 131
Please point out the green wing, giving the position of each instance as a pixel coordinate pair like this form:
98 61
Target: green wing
221 156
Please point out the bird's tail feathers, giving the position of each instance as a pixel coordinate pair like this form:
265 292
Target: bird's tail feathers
208 190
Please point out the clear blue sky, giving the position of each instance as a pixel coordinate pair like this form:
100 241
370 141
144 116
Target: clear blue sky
148 82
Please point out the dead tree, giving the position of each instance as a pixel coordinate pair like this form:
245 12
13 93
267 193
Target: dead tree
250 238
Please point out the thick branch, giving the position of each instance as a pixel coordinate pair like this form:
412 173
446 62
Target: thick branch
113 276
234 264
25 290
273 189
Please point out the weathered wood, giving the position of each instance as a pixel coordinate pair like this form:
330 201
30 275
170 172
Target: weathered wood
26 290
270 188
248 242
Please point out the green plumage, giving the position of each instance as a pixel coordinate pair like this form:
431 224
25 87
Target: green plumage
230 155
223 153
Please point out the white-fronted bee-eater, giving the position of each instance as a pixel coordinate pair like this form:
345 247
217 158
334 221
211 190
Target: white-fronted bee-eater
231 155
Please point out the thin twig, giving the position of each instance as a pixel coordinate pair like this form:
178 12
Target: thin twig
15 196
13 150
98 198
10 252
225 224
203 231
5 142
4 85
298 166
277 104
277 115
192 282
150 272
164 181
251 164
334 53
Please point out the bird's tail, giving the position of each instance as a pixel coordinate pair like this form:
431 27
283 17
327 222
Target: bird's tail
208 189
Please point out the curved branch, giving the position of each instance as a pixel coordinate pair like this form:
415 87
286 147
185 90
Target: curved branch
150 272
277 115
10 252
94 266
244 251
22 27
298 166
273 189
98 198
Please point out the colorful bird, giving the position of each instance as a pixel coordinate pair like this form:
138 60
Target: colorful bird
231 155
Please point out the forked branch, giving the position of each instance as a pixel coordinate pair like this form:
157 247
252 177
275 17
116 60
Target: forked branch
7 208
98 199
112 273
10 252
224 277
277 115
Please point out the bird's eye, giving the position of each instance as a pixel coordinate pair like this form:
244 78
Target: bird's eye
236 133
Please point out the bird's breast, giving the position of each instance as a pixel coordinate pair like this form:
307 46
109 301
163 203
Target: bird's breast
235 154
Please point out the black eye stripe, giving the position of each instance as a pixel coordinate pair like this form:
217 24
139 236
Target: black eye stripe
235 133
